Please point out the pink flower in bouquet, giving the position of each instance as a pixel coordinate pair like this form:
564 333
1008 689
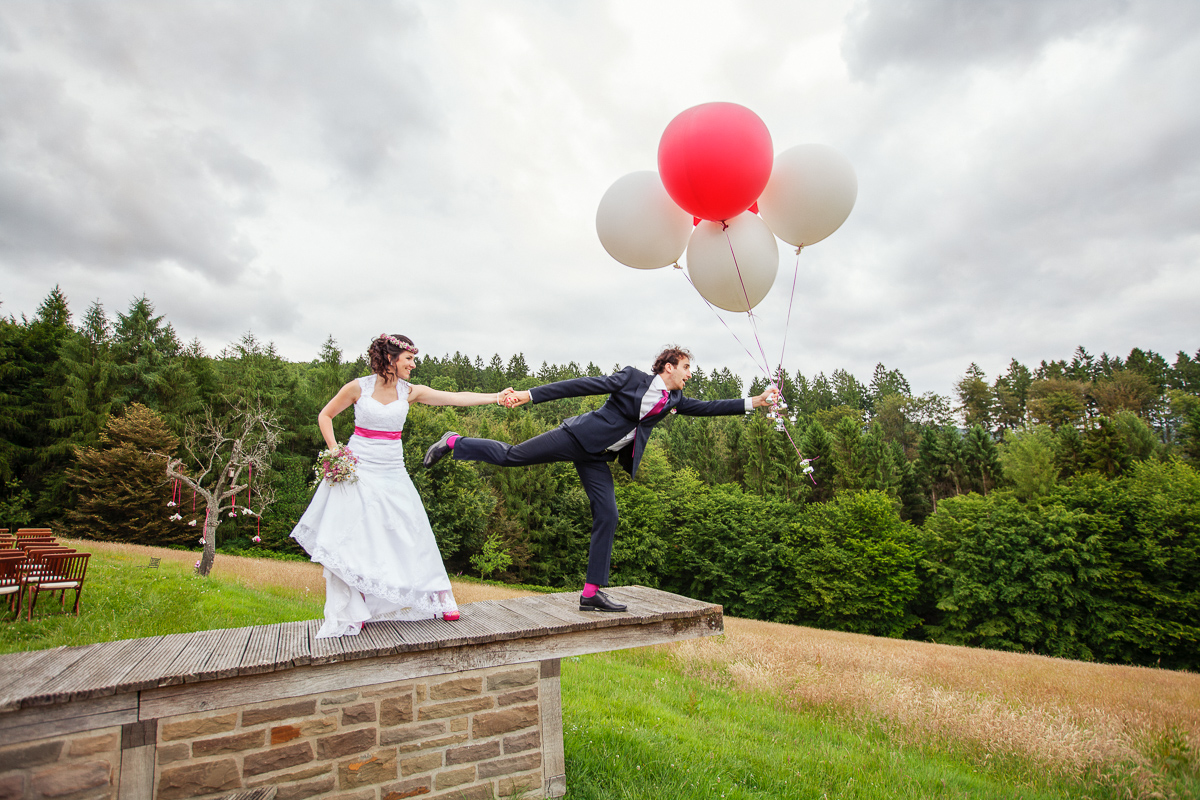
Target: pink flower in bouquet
336 466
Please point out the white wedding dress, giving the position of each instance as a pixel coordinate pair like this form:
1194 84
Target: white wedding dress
373 536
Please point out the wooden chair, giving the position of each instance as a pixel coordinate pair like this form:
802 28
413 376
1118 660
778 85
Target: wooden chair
57 572
33 532
7 542
12 579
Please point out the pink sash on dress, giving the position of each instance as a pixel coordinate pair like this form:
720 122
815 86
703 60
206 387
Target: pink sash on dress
370 434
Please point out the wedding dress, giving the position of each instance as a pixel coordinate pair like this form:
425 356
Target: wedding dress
373 536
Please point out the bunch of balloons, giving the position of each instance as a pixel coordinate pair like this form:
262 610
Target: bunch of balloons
721 194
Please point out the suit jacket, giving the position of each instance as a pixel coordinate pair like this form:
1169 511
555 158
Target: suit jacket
597 430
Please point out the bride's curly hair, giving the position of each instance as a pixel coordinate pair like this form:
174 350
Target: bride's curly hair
384 350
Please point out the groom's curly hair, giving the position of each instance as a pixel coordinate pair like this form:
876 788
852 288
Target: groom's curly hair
382 352
670 355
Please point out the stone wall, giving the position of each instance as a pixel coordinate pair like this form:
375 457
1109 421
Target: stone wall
476 734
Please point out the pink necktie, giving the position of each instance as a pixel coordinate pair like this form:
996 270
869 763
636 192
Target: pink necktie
659 406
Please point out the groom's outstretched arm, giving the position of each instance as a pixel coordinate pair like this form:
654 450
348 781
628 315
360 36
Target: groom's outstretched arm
573 387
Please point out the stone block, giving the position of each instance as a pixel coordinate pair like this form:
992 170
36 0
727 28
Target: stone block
277 758
319 725
250 740
513 679
460 724
413 787
474 752
411 733
506 721
529 695
481 792
197 728
421 692
396 710
522 742
364 794
288 777
454 708
425 763
193 780
69 779
432 744
345 744
299 791
12 786
386 690
23 756
90 745
170 753
455 777
338 699
257 716
379 768
507 766
456 688
282 734
358 714
520 785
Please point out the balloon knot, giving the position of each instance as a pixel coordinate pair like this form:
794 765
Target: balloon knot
724 225
676 265
799 247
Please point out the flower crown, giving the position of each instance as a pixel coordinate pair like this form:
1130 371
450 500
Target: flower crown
387 337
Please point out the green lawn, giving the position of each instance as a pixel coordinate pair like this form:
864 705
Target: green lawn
637 729
124 600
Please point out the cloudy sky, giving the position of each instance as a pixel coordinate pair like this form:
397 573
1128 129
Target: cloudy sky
1029 173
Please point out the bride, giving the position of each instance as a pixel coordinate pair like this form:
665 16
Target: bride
372 535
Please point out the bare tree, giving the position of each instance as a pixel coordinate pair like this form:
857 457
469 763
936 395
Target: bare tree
220 451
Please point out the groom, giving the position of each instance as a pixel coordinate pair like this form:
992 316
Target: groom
618 430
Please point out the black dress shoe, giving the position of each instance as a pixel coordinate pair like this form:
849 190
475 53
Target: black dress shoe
438 449
598 602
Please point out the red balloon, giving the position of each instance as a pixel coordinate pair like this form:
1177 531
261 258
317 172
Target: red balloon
715 159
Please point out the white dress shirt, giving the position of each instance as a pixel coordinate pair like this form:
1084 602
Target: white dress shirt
649 401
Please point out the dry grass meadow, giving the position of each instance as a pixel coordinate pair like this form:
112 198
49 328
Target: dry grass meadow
1068 717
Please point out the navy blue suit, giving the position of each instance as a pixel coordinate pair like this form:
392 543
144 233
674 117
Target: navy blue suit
584 440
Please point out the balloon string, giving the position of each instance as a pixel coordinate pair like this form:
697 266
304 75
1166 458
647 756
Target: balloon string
749 313
717 314
791 298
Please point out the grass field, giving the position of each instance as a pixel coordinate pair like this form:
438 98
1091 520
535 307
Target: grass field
765 711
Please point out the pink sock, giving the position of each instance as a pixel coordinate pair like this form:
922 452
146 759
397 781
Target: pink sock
589 589
450 442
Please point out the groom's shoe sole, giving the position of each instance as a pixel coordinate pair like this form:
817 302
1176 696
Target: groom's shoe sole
438 449
599 602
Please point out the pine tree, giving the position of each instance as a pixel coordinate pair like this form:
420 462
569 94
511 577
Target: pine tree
123 493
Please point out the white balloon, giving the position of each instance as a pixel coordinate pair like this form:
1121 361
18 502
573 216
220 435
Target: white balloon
811 192
733 268
639 224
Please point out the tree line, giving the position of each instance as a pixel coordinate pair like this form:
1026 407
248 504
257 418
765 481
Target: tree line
1053 509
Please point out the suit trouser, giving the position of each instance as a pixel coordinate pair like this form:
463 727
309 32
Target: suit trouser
597 480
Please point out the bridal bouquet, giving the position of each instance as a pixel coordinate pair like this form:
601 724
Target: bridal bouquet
335 466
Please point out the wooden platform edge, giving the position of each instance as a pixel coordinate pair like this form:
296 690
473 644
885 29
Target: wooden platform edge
559 629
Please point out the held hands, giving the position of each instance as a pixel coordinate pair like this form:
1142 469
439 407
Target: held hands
511 398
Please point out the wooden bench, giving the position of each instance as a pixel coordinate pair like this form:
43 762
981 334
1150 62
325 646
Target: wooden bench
430 708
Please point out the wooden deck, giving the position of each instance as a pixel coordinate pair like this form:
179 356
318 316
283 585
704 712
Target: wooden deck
524 629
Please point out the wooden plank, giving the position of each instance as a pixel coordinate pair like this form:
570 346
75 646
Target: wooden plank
673 605
137 772
226 655
148 673
328 649
554 763
261 654
18 664
187 666
45 670
568 609
173 700
295 642
534 617
97 675
41 722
